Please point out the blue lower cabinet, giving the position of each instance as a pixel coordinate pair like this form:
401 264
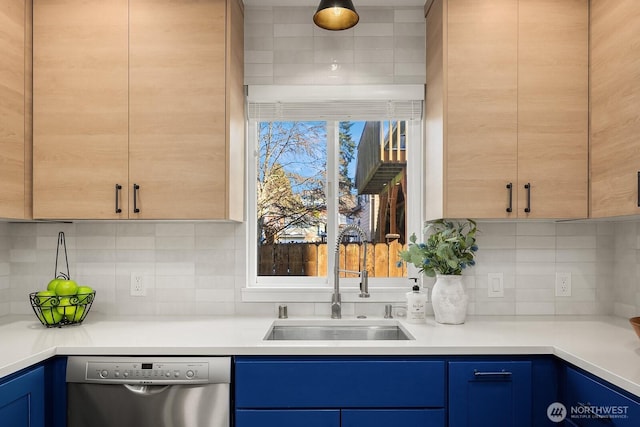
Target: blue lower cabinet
424 392
393 417
339 392
490 394
287 418
22 399
592 402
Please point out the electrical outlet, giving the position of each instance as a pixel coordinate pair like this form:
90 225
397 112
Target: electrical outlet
137 285
496 285
563 284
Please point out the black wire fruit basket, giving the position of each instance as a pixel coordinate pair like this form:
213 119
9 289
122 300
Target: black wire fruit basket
57 309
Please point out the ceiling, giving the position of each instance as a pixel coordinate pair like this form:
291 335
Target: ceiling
356 3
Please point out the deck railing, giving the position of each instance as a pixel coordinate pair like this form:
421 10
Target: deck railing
381 155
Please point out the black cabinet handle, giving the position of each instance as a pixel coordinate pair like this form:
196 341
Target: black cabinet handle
136 187
118 188
639 189
527 187
510 188
502 373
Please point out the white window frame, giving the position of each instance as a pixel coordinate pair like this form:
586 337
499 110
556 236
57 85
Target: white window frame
318 289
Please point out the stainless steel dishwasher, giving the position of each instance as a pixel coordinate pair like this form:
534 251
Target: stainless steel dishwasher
148 391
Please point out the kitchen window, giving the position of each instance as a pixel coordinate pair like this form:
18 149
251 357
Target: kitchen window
315 166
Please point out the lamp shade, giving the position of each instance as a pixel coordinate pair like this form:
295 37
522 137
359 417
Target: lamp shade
336 15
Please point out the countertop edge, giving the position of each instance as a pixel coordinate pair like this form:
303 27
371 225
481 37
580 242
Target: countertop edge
608 349
594 369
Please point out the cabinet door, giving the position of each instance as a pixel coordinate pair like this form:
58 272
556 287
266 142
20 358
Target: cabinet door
593 403
489 393
553 108
22 400
481 120
177 127
288 418
12 109
80 123
614 96
393 417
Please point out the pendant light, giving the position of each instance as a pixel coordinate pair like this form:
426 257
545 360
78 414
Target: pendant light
336 15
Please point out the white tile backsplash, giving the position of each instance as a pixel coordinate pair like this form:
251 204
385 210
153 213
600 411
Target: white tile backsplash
531 253
201 268
535 308
407 15
387 46
373 43
104 256
535 228
374 30
293 30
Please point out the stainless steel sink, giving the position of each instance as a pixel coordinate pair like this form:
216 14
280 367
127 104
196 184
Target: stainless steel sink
337 330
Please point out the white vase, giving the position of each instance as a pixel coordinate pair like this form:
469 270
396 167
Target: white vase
449 299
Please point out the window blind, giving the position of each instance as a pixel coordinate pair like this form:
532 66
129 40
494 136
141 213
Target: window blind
336 110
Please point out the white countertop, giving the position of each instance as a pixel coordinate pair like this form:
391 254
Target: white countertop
604 346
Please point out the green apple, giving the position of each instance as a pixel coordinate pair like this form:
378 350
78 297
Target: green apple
67 305
47 299
76 316
53 284
50 316
66 288
83 294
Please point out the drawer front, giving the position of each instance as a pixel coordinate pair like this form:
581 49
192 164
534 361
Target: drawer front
337 418
393 417
593 403
339 383
287 418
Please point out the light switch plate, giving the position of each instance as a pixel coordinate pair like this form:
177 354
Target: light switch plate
496 285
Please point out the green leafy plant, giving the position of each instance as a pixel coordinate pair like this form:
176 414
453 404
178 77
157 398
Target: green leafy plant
449 249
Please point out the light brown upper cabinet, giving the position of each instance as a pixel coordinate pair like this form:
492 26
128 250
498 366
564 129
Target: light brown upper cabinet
15 109
615 108
139 109
507 109
80 123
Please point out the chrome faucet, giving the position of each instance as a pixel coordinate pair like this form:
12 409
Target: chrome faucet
336 302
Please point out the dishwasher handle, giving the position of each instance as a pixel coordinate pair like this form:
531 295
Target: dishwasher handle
145 390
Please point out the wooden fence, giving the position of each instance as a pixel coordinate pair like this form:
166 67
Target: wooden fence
310 259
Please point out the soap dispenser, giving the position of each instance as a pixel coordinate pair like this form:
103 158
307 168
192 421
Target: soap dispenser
416 304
